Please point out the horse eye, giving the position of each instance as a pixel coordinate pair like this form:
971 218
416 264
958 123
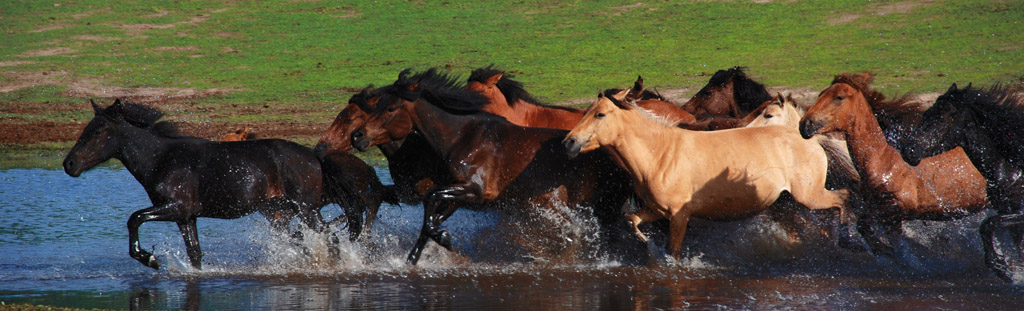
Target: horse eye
768 116
599 115
392 109
349 120
839 98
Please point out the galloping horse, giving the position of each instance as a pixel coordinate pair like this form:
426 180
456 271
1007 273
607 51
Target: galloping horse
942 187
188 177
414 167
359 188
988 125
718 175
507 98
495 164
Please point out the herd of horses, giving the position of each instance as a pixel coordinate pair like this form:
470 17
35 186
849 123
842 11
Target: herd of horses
731 152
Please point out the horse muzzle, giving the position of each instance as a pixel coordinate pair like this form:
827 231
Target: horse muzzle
808 128
72 168
571 147
360 141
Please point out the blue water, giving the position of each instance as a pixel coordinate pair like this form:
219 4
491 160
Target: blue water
63 242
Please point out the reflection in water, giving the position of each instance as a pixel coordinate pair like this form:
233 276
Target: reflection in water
63 242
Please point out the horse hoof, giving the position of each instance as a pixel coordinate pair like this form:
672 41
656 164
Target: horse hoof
444 239
152 262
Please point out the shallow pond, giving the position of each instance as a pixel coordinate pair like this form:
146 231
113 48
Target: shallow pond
63 242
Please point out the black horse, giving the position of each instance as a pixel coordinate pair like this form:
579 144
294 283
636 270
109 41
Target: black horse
989 125
189 177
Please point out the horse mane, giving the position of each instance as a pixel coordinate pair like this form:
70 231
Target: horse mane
1000 112
437 88
748 93
512 89
631 105
904 109
142 116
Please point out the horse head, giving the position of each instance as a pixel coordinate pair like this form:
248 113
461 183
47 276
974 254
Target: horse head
601 117
834 111
336 138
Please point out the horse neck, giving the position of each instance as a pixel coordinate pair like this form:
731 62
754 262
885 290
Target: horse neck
544 116
870 152
439 127
637 148
139 150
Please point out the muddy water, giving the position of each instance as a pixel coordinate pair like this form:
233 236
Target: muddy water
63 242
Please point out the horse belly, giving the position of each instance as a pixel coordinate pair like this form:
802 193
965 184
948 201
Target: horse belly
728 203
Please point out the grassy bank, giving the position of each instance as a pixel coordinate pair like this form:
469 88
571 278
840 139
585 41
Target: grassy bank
298 61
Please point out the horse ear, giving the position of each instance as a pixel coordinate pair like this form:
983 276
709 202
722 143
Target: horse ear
493 80
96 109
639 84
600 95
782 99
952 88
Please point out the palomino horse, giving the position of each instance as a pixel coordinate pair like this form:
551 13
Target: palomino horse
942 187
507 98
728 93
414 167
188 177
495 164
718 175
987 125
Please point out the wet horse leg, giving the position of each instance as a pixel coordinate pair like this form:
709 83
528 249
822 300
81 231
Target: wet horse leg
191 236
641 216
996 262
168 212
437 207
677 231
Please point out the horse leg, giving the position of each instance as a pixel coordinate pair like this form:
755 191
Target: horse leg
155 213
191 236
641 216
438 206
876 241
677 231
987 229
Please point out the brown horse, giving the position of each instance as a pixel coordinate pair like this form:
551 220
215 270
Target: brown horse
494 163
414 167
729 93
719 175
942 187
507 98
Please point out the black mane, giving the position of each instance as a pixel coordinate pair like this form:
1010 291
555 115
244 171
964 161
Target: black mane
1000 113
512 89
747 93
142 116
437 88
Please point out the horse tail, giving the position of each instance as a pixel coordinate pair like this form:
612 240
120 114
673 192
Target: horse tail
841 171
344 192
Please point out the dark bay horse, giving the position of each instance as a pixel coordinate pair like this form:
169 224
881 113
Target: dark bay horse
730 93
188 177
495 164
988 125
946 186
414 167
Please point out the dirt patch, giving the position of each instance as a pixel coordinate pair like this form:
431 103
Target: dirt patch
12 63
177 48
47 52
49 27
95 38
93 88
880 10
157 14
136 28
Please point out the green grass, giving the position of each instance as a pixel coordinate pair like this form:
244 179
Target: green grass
310 53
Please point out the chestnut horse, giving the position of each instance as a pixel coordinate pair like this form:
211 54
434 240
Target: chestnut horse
507 98
718 175
240 134
189 177
988 125
494 163
942 187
